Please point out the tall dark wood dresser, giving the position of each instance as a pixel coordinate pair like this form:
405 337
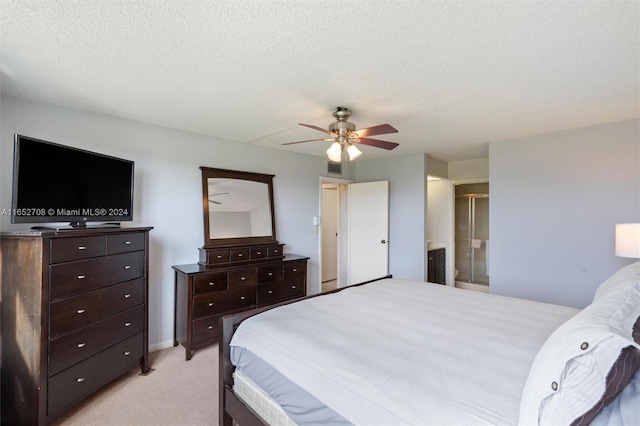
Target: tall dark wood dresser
74 316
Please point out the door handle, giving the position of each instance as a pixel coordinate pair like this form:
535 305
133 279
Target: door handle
383 241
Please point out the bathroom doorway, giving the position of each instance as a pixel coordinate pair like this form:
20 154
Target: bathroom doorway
472 236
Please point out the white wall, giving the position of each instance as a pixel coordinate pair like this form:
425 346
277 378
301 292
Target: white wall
468 171
407 176
231 224
168 193
555 200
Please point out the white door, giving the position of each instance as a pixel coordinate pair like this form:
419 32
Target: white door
368 231
329 233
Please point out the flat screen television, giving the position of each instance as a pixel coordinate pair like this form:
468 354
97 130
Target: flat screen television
57 183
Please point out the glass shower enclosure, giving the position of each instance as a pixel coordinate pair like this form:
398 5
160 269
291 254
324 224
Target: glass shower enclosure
472 233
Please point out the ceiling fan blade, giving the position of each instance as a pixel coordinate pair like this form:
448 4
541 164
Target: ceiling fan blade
381 129
378 143
315 127
309 140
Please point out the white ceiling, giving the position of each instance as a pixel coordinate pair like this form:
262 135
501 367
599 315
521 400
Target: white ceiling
451 76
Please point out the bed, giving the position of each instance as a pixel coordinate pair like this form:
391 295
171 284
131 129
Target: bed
406 352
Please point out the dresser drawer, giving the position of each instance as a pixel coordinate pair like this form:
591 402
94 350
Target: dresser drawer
206 283
276 251
124 243
205 328
243 277
71 278
270 293
259 252
270 273
123 296
70 314
237 255
75 383
224 301
295 269
68 249
217 256
75 347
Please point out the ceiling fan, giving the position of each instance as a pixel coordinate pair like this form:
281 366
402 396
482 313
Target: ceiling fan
213 195
345 136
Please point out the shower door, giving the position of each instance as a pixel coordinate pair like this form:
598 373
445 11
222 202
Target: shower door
472 233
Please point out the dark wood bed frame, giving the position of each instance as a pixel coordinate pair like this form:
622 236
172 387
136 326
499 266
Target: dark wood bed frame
231 406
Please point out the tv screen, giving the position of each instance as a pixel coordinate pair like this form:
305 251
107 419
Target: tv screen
58 183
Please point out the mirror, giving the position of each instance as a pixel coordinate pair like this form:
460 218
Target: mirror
238 207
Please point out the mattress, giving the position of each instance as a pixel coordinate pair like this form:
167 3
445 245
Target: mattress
268 409
404 352
297 404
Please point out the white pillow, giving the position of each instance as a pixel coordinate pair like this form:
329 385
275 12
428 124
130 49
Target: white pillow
628 276
569 376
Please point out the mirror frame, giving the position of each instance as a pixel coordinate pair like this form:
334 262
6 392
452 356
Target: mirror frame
208 172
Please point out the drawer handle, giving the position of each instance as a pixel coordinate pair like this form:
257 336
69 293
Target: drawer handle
210 327
81 277
81 345
295 270
270 273
294 286
242 279
219 257
210 304
127 266
126 353
127 324
81 311
270 291
259 252
126 243
80 379
276 251
242 297
82 248
212 283
239 254
126 296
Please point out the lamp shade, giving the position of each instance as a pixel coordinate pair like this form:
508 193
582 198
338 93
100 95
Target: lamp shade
353 152
628 240
335 152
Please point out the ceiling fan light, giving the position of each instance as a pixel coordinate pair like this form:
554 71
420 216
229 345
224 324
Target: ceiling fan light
335 152
353 152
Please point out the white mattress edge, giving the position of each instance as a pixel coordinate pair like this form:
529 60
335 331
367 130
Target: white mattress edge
252 395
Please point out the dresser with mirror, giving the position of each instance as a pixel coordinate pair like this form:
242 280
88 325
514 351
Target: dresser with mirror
241 264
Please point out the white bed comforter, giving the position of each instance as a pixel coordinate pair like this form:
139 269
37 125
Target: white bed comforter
407 352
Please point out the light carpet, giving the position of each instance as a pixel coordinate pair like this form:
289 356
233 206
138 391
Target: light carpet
176 392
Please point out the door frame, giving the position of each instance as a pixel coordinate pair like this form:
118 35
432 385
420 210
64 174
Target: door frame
343 216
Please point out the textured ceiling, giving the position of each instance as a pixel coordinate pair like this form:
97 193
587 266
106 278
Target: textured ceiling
451 76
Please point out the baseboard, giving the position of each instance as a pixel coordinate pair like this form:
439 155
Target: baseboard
161 345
